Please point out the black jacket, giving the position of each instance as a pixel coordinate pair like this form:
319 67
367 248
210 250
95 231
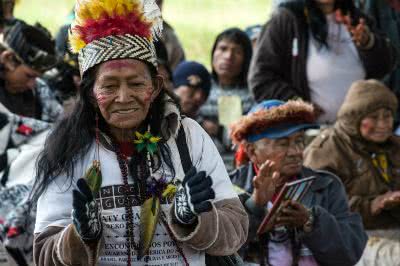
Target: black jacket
276 72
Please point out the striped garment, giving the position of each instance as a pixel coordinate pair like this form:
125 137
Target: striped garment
210 109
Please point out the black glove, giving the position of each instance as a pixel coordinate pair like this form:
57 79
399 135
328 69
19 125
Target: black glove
192 197
85 212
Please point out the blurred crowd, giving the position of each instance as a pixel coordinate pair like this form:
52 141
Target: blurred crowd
312 92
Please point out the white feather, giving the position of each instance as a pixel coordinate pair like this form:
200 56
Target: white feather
152 12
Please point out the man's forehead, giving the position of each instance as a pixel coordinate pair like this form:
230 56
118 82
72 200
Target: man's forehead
294 135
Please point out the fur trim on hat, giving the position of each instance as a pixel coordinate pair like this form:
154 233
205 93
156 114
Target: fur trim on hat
295 111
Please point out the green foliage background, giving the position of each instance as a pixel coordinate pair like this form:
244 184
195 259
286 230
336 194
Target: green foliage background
197 22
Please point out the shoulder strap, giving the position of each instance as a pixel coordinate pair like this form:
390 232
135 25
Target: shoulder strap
183 150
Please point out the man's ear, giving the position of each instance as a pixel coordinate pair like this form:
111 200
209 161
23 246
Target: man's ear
7 58
158 85
250 151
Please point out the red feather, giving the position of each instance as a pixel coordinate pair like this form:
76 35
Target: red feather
116 25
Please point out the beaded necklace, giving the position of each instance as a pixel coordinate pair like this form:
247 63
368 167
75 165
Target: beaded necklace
142 191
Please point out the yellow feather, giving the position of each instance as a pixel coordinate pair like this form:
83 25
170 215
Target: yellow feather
95 9
109 7
76 43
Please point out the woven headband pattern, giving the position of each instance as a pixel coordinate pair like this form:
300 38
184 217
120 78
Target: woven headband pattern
116 47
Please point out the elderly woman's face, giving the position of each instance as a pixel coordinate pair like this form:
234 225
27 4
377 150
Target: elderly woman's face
228 59
377 126
124 91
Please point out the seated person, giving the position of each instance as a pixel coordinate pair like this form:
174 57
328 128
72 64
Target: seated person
21 141
26 52
192 84
319 230
362 150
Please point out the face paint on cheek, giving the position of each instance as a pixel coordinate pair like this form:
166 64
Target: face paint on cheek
367 127
101 98
147 97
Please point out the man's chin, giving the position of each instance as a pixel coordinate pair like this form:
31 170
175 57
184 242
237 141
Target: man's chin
291 170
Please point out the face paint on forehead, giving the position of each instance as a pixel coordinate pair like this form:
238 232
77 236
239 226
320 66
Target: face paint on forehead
118 64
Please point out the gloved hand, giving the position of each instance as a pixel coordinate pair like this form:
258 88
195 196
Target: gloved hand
193 197
85 212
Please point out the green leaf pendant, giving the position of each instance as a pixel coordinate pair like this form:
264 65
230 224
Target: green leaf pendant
93 176
149 215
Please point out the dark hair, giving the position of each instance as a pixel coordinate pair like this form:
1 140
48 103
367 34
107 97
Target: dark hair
316 19
239 37
72 137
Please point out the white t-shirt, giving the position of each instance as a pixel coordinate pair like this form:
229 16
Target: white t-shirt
331 71
58 199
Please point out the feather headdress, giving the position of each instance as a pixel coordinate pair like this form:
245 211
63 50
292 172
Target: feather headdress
113 29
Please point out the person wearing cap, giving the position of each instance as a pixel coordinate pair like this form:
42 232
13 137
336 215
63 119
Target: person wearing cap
363 151
319 230
176 53
125 179
192 84
26 52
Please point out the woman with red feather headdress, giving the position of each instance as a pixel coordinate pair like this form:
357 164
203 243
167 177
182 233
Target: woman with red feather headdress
124 179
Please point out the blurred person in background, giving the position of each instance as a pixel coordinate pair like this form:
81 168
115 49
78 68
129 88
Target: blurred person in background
7 13
230 60
192 85
176 54
26 52
64 79
314 50
362 150
27 105
387 16
163 67
253 32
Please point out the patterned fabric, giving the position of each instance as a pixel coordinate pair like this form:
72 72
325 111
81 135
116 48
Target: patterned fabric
51 108
116 47
210 108
381 163
35 127
31 44
192 197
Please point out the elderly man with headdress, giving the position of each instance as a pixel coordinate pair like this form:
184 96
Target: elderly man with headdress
124 179
318 230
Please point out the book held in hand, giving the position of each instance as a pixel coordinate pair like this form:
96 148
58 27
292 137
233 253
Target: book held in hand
294 190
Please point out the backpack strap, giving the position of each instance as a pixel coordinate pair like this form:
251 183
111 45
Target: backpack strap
183 150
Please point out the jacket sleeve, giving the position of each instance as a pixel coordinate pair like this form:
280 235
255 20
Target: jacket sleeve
59 246
381 58
219 232
223 230
343 230
271 59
